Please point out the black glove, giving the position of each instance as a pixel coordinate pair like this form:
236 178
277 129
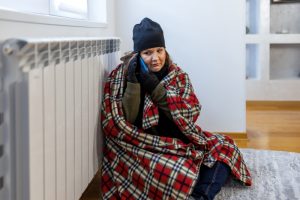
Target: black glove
149 81
131 77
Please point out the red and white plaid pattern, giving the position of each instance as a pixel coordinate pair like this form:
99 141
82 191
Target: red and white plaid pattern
137 165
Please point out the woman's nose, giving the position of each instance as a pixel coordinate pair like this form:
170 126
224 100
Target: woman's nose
154 56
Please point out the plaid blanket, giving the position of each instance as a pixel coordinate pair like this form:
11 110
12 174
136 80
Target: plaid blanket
137 165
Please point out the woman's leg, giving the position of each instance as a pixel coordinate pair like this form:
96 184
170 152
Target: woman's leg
210 181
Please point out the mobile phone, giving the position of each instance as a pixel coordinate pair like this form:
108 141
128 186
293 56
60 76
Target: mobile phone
143 65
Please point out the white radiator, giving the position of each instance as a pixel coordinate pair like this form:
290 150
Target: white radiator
50 93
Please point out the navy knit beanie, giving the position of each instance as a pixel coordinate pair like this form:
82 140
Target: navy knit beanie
147 34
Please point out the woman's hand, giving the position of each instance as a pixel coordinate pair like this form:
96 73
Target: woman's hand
148 81
131 77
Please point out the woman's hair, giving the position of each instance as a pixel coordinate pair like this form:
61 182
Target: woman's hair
169 61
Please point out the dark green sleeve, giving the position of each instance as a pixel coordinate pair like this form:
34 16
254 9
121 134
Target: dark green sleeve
159 96
131 101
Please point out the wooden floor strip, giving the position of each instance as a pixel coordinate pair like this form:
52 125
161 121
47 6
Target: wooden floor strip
273 105
236 136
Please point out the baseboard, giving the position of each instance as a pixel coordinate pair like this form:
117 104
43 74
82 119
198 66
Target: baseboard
273 105
236 135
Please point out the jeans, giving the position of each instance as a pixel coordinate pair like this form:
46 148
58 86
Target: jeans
210 181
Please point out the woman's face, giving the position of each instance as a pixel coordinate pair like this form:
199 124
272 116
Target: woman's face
155 58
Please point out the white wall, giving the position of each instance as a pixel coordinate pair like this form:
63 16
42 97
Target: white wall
10 29
205 38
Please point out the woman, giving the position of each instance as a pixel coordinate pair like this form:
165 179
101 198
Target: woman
153 149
